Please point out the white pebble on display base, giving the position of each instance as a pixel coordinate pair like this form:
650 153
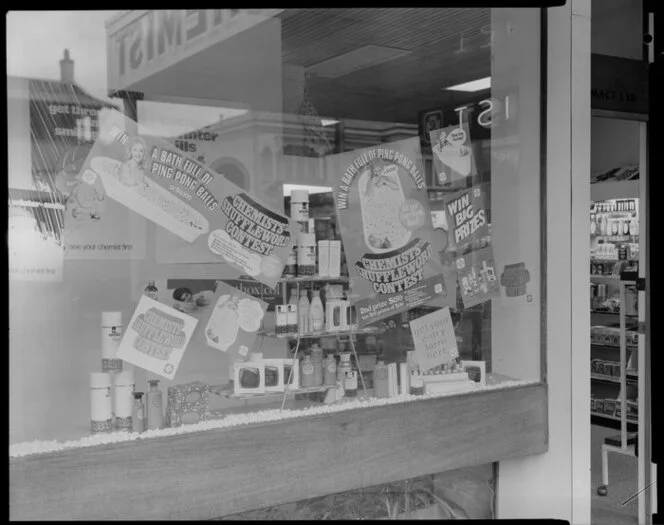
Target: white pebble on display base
234 420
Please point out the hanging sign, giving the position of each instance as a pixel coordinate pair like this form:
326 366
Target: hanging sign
453 157
392 250
196 204
466 217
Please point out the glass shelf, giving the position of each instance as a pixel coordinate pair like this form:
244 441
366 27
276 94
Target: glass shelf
315 335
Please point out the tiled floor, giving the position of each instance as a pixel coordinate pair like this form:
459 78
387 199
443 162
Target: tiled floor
623 472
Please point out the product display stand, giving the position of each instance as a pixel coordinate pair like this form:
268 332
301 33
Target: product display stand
299 336
626 443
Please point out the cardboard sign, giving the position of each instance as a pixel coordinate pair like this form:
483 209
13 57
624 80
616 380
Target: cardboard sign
233 321
452 150
155 179
156 337
477 276
434 339
391 247
466 217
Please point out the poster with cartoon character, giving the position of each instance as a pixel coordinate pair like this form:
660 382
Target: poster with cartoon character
190 202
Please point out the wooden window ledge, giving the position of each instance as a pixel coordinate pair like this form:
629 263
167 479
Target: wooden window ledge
218 472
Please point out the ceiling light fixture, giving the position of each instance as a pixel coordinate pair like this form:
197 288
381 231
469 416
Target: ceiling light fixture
473 85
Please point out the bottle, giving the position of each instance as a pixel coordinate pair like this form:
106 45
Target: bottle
291 318
299 205
307 372
111 335
316 312
293 296
344 366
381 380
306 254
138 413
317 360
350 383
123 399
416 384
303 313
330 370
151 291
101 416
290 268
154 406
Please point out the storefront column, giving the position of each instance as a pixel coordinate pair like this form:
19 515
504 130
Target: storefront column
557 484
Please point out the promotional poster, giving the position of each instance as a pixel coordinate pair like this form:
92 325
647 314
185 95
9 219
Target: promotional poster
466 218
434 339
156 337
452 150
156 180
392 250
232 321
64 123
478 279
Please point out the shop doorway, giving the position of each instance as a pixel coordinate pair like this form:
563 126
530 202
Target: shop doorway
619 367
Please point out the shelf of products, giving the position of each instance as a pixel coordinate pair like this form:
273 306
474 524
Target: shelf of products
369 330
612 417
612 379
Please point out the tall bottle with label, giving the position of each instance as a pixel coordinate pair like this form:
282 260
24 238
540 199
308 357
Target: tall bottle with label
154 406
111 335
101 409
307 372
316 312
344 366
330 365
317 360
303 313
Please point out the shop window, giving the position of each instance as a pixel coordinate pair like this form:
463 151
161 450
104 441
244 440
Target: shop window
375 238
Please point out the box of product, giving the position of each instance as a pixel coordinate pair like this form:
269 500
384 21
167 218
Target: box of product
592 404
616 369
599 405
593 366
600 367
618 410
609 406
632 409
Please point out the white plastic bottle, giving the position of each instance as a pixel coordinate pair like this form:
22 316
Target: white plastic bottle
303 313
111 335
316 312
123 399
101 416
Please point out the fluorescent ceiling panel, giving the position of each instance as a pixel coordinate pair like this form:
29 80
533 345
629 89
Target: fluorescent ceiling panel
473 85
359 58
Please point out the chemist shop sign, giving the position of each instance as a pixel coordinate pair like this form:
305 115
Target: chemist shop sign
155 40
391 247
192 202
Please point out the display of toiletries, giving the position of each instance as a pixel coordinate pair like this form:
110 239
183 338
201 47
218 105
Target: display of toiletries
154 406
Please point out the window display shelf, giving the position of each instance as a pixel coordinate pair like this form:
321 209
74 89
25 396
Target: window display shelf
608 312
613 379
612 417
227 392
369 330
216 469
315 279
